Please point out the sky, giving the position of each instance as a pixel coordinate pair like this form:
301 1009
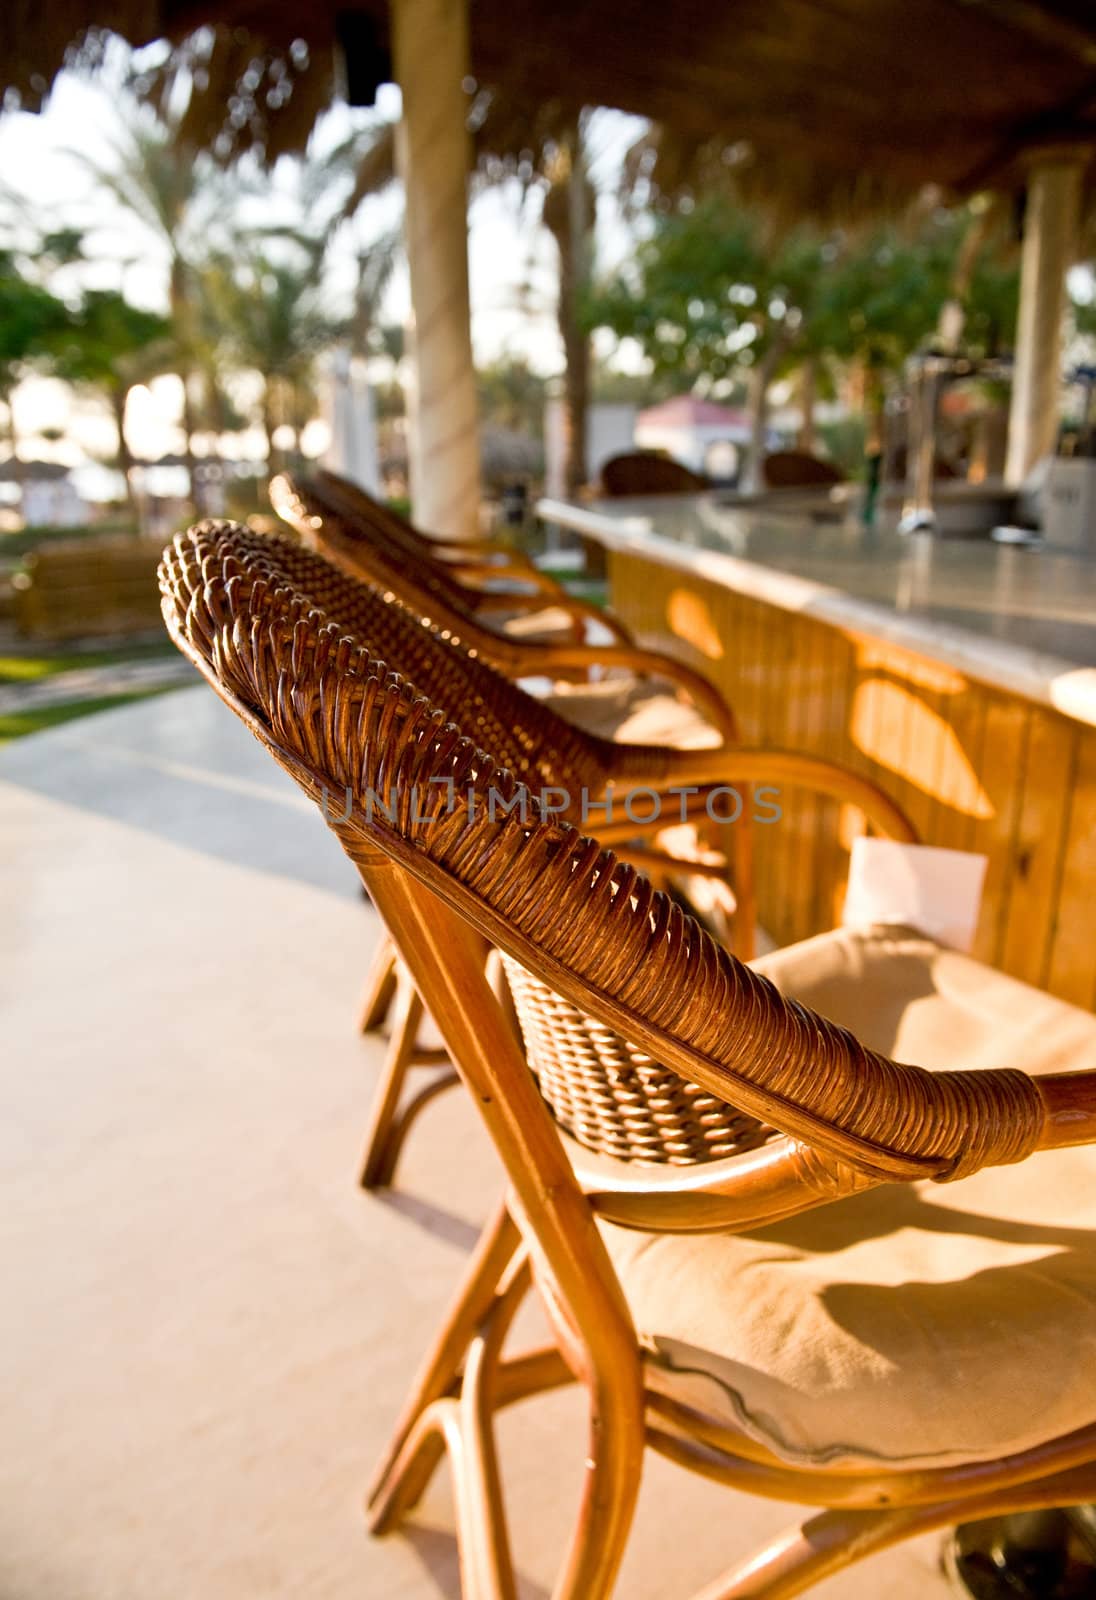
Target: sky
44 168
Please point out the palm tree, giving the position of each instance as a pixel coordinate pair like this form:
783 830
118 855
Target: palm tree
113 346
171 188
330 191
272 313
32 322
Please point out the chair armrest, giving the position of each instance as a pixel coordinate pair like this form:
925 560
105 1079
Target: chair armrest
763 765
779 1179
475 549
1070 1102
751 1190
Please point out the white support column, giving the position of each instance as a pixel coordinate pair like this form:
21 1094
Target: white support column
430 53
1050 241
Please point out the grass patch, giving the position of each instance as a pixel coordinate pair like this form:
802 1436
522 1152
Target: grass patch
593 590
31 667
17 724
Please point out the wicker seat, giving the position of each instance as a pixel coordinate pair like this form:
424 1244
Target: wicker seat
546 752
645 472
796 469
589 929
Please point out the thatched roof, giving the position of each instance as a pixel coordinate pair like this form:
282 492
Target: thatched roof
834 104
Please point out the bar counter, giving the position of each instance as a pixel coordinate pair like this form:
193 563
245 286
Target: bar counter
958 673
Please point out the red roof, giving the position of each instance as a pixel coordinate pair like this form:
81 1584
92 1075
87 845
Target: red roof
689 411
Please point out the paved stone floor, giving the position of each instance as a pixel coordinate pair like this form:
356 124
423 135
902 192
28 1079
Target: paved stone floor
205 1327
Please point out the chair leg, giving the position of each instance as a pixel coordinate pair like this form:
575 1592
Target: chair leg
833 1540
463 1426
406 1017
389 981
436 1431
384 1172
480 1506
451 1410
614 1468
802 1556
497 1246
380 986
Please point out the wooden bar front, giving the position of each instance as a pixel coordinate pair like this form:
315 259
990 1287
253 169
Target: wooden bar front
975 768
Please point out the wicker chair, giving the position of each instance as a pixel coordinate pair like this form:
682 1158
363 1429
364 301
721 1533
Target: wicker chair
645 472
796 469
904 1405
477 560
505 597
546 753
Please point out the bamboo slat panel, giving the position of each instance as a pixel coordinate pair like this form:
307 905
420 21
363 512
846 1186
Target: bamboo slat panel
975 768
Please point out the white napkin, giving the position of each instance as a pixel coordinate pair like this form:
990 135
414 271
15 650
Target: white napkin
938 892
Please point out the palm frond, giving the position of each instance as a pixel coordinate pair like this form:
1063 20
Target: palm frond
374 166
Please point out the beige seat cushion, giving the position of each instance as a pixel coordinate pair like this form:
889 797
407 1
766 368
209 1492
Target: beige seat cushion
552 624
906 996
915 1325
633 711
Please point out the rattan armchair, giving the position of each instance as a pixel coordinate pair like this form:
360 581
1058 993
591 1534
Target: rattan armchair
480 560
606 1233
798 469
643 472
587 778
514 597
